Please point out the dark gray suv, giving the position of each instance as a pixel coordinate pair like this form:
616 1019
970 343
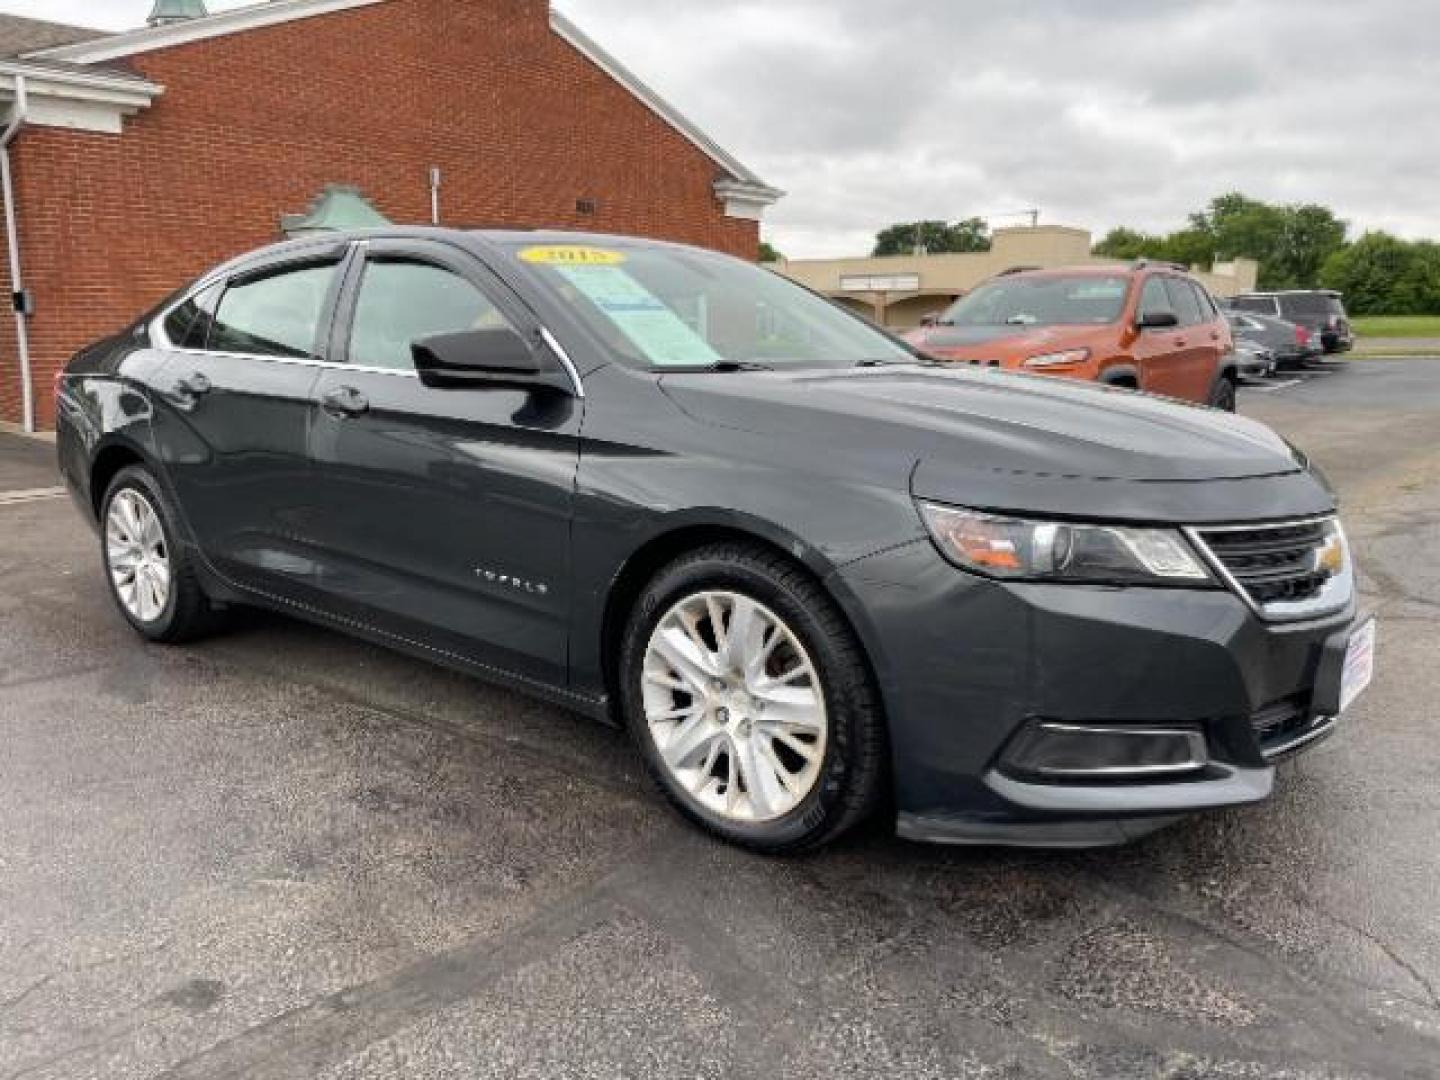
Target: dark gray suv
812 573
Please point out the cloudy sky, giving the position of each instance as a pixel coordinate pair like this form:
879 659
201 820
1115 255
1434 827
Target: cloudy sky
1098 112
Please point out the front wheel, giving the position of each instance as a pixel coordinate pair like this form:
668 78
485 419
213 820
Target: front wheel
1222 394
751 702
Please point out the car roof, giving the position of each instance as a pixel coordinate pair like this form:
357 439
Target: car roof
459 237
473 239
1094 270
1290 292
1083 270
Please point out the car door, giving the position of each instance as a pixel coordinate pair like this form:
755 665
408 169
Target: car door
447 510
1177 357
1156 351
232 423
1210 341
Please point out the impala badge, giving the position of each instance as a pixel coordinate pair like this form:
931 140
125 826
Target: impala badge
510 581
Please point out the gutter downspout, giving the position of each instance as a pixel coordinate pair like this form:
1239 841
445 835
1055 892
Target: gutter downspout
12 235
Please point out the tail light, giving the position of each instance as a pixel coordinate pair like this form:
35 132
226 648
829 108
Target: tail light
1302 336
58 385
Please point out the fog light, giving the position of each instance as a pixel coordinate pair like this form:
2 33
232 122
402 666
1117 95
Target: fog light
1055 751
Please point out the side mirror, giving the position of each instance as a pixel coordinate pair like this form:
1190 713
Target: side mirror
496 357
1157 320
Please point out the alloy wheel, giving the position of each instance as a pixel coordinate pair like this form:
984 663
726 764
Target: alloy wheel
137 556
734 705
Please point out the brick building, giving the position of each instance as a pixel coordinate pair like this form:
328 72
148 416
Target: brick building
141 158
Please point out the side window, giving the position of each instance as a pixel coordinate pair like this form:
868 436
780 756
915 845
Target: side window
277 315
1186 303
1154 297
1209 312
401 302
188 326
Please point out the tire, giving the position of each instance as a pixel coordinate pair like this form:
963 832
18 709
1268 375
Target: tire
1222 394
184 613
843 778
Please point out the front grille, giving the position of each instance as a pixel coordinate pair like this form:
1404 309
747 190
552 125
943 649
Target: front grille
1273 564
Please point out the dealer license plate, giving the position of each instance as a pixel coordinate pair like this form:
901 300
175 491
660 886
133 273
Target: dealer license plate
1359 665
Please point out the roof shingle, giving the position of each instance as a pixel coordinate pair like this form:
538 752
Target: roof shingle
21 35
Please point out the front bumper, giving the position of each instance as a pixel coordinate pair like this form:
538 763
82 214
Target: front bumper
965 663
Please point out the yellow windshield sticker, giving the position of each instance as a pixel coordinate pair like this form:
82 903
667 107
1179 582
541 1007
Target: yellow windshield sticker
572 256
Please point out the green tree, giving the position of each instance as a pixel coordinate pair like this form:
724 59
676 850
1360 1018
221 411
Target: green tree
769 254
1417 290
1291 243
1188 247
1310 235
1378 276
1123 243
934 237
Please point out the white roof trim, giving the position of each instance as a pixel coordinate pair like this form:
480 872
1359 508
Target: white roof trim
183 33
99 85
79 100
592 51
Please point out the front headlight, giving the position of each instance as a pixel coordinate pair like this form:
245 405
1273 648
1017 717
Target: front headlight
1007 547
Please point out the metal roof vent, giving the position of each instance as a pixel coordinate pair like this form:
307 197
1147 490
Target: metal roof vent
173 11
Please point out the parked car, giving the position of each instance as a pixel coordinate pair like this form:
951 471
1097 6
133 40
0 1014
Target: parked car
1293 345
1321 311
812 572
1146 327
1255 361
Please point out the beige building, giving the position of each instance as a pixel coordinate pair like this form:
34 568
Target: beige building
900 290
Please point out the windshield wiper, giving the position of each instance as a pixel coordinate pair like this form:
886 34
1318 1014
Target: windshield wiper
726 367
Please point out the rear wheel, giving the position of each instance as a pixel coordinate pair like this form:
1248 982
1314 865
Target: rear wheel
1222 394
151 577
750 701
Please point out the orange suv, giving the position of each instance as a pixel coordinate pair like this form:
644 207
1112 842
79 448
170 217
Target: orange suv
1150 326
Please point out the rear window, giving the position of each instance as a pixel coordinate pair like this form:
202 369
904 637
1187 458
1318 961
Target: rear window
1312 305
188 325
1049 300
1265 305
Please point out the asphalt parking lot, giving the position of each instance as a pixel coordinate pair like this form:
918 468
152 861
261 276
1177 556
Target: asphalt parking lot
283 853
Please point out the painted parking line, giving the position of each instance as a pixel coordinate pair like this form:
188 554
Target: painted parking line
14 498
1275 388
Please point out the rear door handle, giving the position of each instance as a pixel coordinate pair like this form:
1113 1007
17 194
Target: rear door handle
345 401
197 385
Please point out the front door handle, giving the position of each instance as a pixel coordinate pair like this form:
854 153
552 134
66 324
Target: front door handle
345 401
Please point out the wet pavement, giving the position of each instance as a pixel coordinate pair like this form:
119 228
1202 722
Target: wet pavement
282 853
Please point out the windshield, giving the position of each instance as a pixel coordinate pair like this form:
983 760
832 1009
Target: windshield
1049 300
663 308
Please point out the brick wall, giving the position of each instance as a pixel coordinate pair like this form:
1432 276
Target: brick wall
253 125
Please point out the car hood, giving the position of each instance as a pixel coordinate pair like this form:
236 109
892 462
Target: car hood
1022 442
1017 339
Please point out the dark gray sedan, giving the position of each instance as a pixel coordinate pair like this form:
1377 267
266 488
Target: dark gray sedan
1291 344
812 573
